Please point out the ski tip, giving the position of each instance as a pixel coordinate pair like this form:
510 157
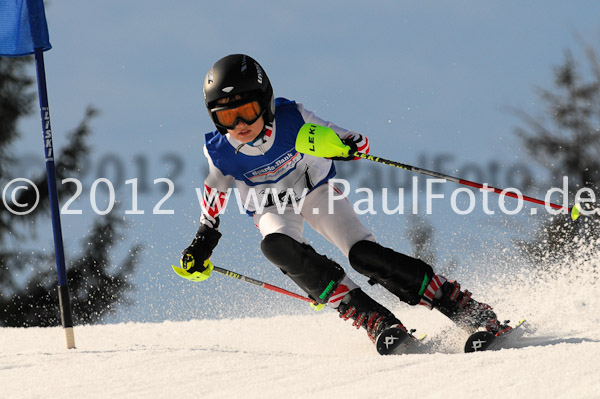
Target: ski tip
520 322
485 340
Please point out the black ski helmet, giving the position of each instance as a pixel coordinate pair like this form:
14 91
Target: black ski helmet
238 74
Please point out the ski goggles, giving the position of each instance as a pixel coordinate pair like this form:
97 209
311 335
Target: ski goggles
229 116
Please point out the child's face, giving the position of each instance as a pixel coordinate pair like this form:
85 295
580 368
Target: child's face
247 133
242 131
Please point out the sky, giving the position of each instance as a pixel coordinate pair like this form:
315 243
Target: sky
321 356
430 83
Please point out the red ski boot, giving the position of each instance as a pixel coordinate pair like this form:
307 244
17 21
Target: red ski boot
447 297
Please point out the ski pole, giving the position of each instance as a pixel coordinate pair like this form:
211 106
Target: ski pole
199 276
574 211
322 141
262 284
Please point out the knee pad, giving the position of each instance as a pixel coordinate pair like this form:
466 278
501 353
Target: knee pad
317 275
400 274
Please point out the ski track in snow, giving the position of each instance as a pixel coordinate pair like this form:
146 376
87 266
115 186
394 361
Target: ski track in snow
320 356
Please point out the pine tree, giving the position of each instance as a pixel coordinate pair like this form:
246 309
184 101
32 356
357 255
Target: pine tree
421 235
566 142
28 280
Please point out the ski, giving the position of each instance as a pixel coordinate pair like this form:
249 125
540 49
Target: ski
397 341
485 340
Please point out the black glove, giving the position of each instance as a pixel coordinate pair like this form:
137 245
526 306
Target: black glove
200 249
353 147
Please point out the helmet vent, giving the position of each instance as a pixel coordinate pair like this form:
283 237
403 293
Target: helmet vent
259 73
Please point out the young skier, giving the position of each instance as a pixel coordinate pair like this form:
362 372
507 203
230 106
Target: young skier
254 146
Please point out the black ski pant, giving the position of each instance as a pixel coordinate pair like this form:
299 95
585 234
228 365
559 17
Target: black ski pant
402 275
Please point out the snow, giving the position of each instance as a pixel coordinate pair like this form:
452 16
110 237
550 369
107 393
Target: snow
317 355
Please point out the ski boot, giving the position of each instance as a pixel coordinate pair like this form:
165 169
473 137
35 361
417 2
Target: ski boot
447 297
387 332
367 313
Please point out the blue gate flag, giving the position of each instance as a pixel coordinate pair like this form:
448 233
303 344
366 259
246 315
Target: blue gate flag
23 27
23 31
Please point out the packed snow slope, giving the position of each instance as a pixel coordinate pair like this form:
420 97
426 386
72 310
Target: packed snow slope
320 356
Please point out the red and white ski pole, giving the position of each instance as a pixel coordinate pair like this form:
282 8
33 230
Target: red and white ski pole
322 141
262 284
208 265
